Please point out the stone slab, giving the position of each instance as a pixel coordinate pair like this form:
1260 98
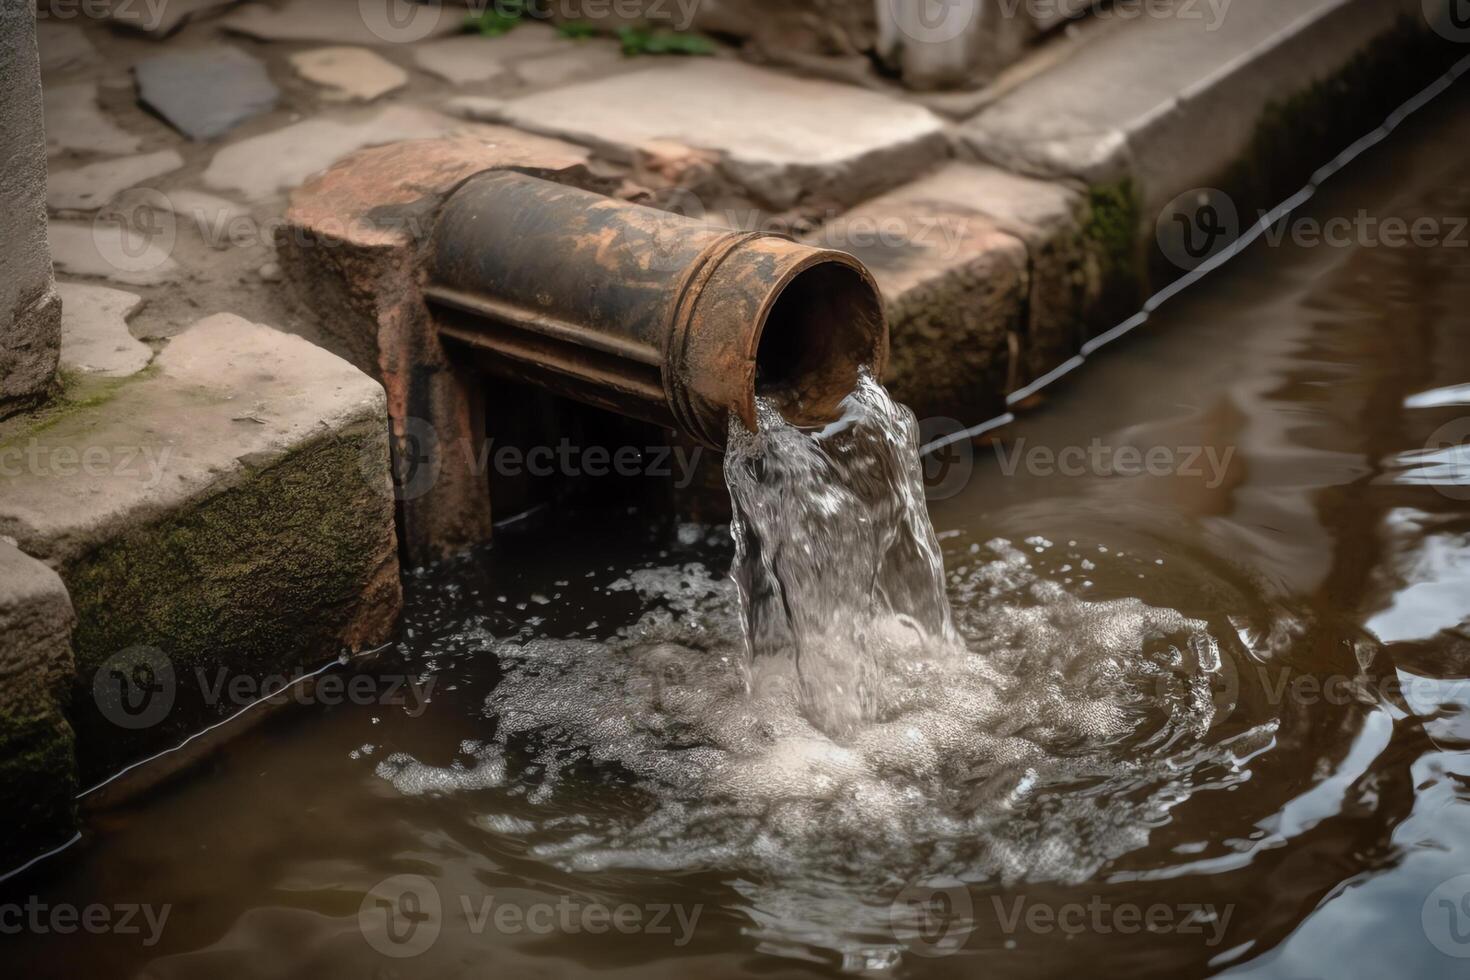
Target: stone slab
94 331
112 250
349 73
781 138
1172 101
159 20
63 47
205 92
37 755
346 21
265 165
74 121
585 60
228 510
216 220
463 60
954 285
92 186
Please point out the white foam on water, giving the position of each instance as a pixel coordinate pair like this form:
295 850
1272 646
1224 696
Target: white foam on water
825 730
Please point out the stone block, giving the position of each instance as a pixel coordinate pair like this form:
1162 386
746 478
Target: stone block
1173 102
954 285
225 513
780 138
94 331
351 243
349 73
37 749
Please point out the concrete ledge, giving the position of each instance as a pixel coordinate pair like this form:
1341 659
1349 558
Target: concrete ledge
37 753
989 279
783 140
228 510
954 285
1250 104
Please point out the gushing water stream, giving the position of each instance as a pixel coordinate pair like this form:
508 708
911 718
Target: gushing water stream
835 558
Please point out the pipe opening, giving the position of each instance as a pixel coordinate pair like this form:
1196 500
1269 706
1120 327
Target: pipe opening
823 328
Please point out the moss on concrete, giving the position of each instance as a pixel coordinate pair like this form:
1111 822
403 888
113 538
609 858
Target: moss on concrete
1294 133
260 578
1111 230
76 392
38 771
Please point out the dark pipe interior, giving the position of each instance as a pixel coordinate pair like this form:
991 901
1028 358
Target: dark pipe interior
820 332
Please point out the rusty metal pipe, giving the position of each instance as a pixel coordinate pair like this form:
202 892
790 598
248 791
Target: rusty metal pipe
646 313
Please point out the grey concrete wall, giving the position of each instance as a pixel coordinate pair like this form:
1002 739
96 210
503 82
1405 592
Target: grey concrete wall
30 311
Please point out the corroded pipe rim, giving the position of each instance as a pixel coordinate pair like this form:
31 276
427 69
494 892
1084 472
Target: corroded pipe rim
704 413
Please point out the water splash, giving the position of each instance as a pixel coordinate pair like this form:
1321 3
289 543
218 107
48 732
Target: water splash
836 561
822 731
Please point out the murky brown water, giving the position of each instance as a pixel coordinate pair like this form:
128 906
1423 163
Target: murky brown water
580 794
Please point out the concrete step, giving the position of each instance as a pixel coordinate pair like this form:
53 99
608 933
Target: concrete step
779 138
1173 100
226 511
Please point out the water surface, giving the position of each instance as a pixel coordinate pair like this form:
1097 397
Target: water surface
1207 708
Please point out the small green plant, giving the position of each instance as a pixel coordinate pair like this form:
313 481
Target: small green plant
497 18
576 29
642 40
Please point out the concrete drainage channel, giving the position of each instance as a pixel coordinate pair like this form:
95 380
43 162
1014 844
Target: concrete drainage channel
225 504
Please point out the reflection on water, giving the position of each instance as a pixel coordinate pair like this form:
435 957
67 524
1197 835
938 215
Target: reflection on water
1205 719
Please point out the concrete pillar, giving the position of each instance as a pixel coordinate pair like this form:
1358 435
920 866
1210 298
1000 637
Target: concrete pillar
30 310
